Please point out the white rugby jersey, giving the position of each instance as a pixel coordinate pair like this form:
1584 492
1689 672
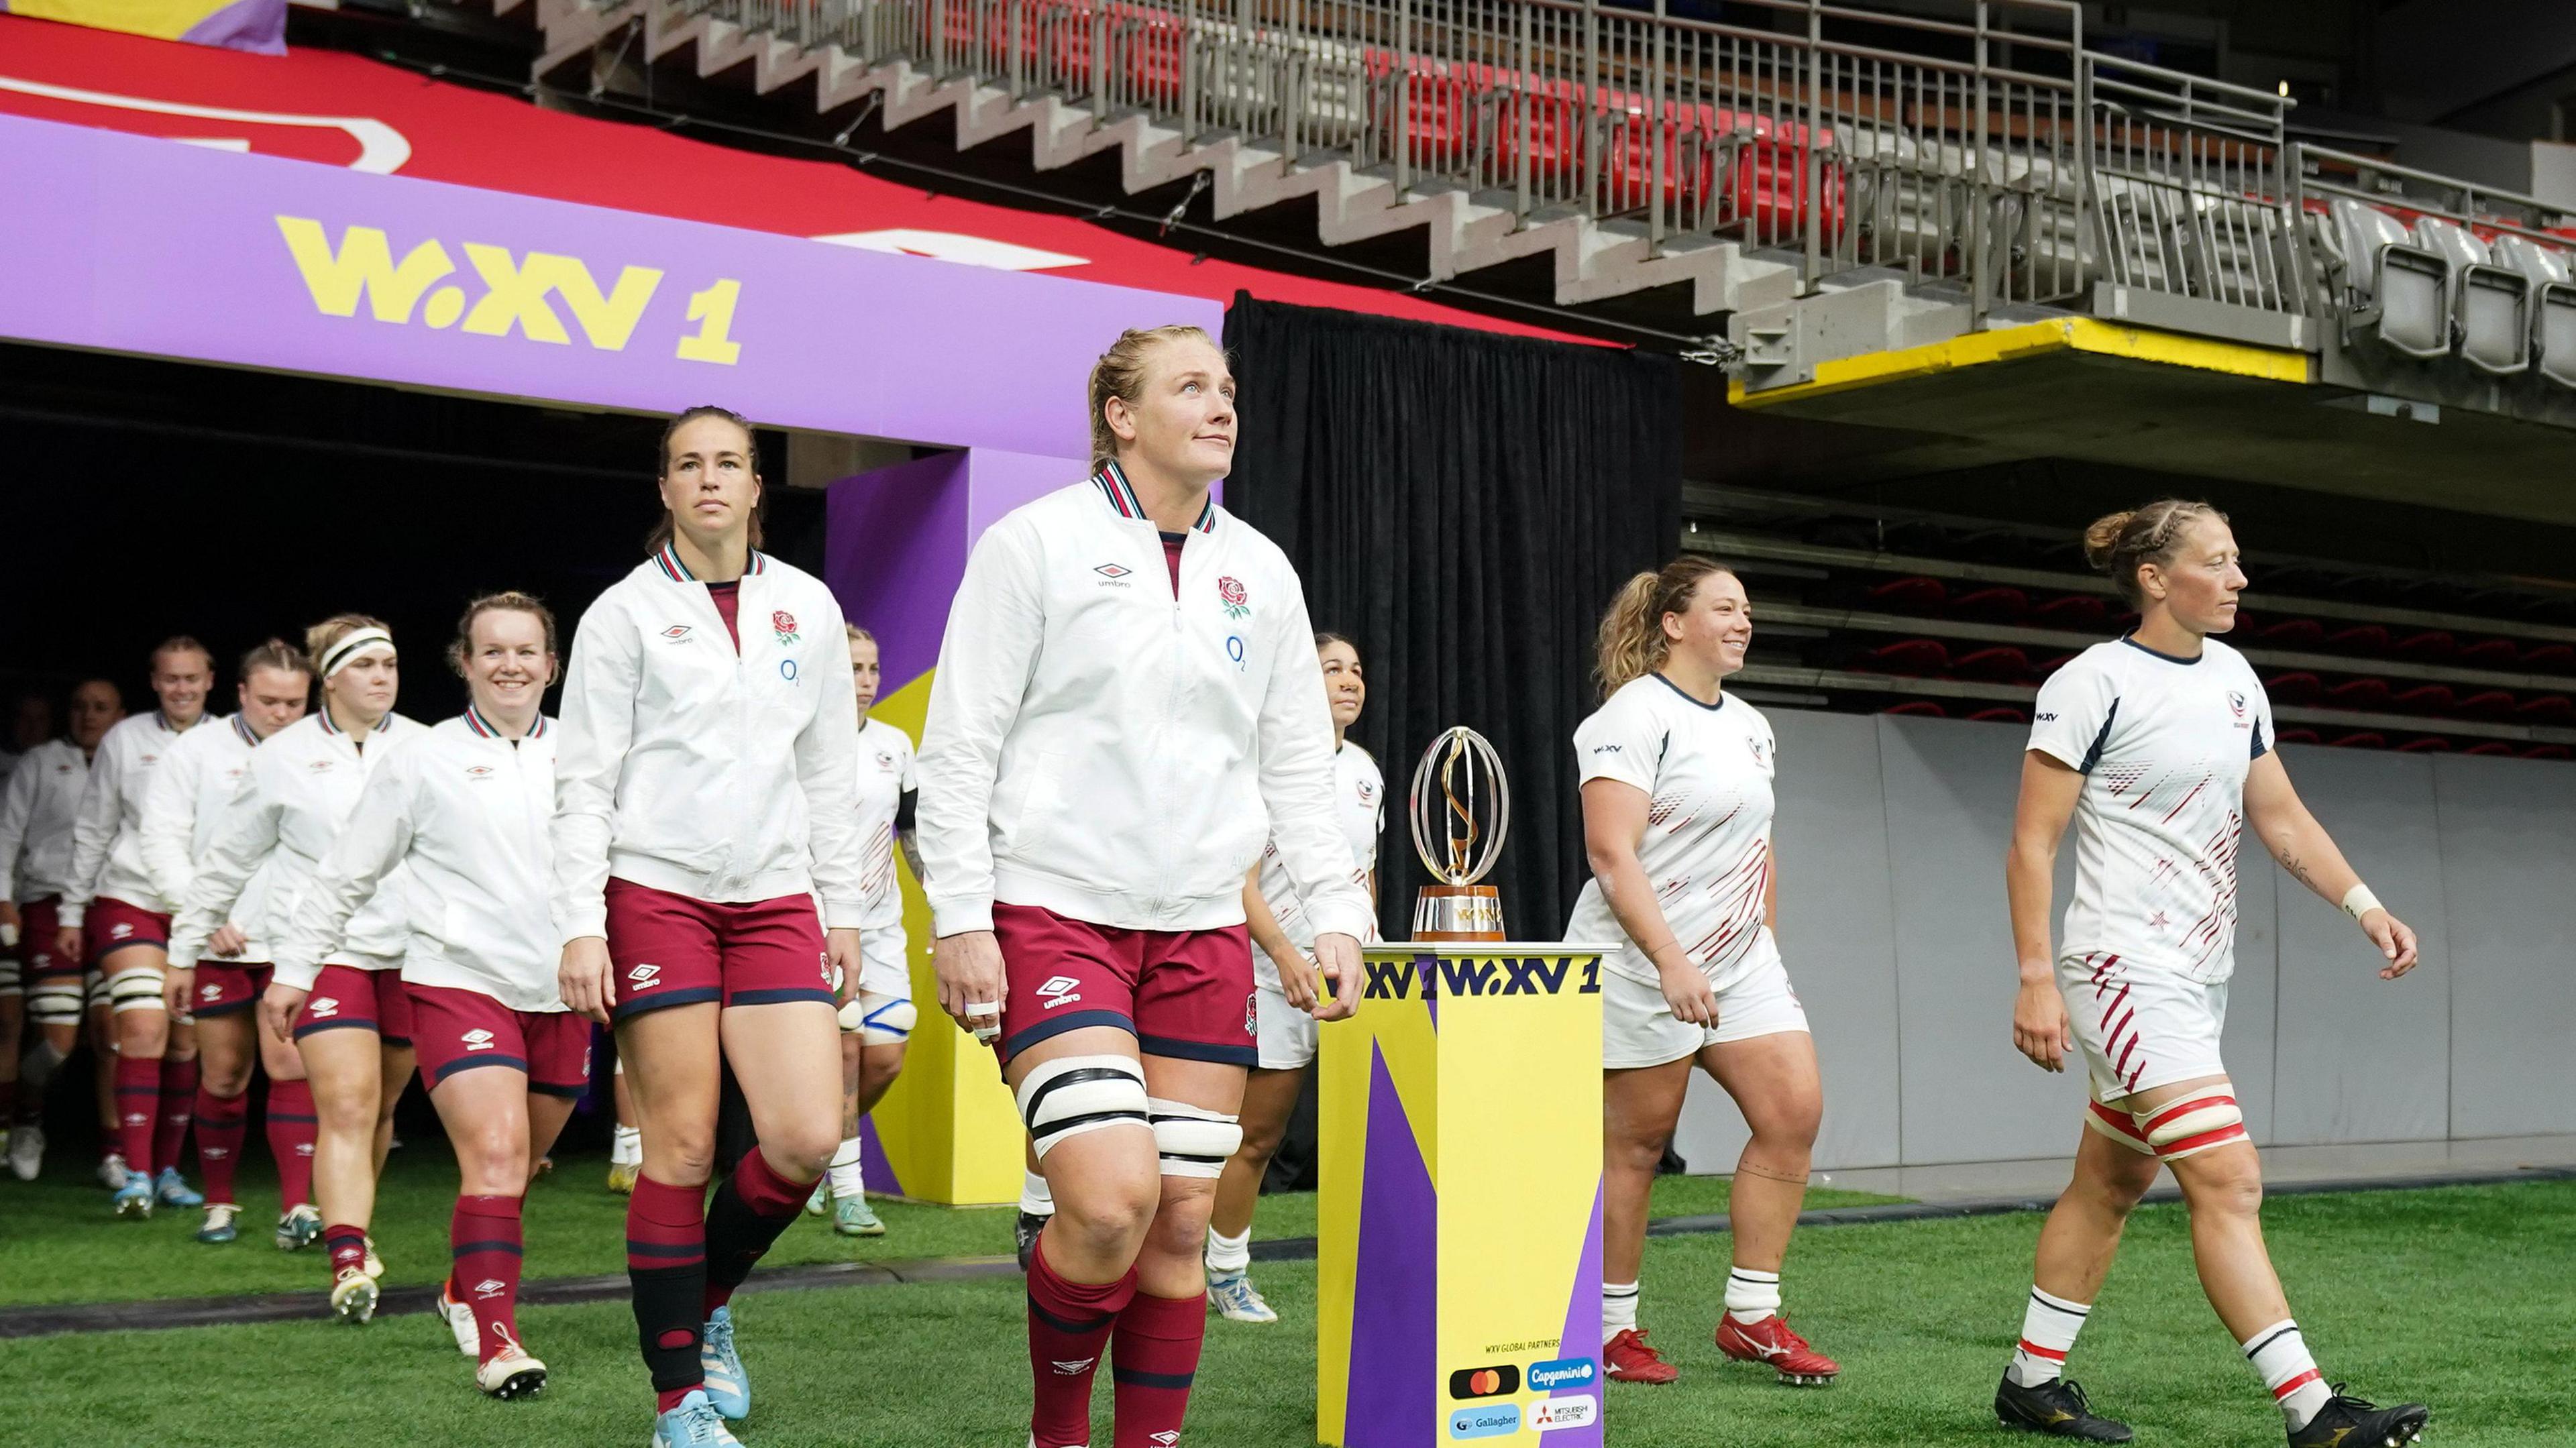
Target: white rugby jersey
1359 804
290 805
37 810
107 839
187 799
885 772
1706 772
2163 744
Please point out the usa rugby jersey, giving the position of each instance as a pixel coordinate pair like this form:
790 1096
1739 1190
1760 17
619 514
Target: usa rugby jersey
1359 803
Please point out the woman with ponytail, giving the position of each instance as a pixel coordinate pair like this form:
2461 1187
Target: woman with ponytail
1677 824
2158 744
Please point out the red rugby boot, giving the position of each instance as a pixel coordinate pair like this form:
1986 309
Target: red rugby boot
1627 1359
1772 1343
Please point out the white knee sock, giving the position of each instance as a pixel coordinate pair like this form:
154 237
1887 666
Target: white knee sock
1227 1255
626 1148
2281 1355
1035 1199
847 1183
1751 1296
1618 1308
2048 1328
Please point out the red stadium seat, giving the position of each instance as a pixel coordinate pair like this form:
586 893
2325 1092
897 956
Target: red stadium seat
2430 644
2549 656
2000 662
2429 744
2074 611
2426 699
1920 594
2486 704
2491 654
1918 709
2361 638
1999 603
2048 666
2294 688
2292 633
2549 751
2000 715
2362 740
2547 709
2489 747
2362 693
1910 656
2297 736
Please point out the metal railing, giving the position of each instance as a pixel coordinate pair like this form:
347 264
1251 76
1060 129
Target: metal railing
1975 143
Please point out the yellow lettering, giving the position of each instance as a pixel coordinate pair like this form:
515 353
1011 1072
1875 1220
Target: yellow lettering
362 267
606 321
517 296
713 310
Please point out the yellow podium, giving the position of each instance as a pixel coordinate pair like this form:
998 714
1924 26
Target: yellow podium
1459 1220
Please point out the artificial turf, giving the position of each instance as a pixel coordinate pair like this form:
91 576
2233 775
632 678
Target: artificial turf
2462 1297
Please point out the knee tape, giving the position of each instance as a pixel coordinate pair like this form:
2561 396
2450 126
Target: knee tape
55 1002
1074 1094
2199 1120
138 989
1193 1142
2117 1125
99 999
880 1020
11 982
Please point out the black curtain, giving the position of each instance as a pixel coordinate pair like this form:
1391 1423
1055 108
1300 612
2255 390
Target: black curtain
1462 505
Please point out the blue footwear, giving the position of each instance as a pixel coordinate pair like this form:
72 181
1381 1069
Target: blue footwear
174 1191
726 1386
134 1199
219 1226
1234 1296
693 1424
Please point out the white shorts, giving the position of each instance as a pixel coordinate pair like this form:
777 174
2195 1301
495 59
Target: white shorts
1287 1034
885 968
2140 1026
1638 1029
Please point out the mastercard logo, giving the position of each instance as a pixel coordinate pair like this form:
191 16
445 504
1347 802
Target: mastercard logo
1491 1382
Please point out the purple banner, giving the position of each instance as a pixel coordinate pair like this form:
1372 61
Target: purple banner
132 244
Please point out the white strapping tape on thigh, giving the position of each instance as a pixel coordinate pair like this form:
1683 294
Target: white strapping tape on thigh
1194 1142
2201 1119
2117 1125
1074 1094
54 1002
10 978
98 992
137 989
880 1020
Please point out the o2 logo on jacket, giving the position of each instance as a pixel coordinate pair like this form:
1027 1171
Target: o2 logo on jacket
784 623
1230 593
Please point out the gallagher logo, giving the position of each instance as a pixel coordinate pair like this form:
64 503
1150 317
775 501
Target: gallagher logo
1491 1382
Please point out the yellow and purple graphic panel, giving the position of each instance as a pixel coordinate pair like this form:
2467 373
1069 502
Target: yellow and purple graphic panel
256 25
1459 1225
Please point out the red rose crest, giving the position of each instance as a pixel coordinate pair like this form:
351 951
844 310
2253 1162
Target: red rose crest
1230 593
785 625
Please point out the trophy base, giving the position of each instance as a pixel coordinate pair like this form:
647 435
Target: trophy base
1458 912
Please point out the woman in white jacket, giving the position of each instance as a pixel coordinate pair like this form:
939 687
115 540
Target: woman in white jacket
466 808
703 806
1127 702
187 801
347 1015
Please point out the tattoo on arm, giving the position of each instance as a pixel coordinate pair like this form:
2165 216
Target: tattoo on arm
2298 868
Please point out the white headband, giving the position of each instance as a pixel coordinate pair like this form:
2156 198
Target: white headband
353 643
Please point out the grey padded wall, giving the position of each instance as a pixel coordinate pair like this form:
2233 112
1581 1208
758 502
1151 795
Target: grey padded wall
1891 841
2508 833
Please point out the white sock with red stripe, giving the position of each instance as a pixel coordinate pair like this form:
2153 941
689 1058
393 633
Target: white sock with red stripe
2281 1355
1751 1296
1618 1308
2048 1328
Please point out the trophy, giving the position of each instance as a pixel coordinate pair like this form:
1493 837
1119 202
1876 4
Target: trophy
1469 816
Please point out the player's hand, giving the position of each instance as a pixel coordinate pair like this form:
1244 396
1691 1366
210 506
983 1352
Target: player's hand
588 978
1299 983
972 985
2039 1025
1687 992
2395 941
841 948
228 942
277 1010
178 983
10 924
1337 963
67 943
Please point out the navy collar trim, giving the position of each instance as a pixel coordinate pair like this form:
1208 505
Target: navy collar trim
1685 694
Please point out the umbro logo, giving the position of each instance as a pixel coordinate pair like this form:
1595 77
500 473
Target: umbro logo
119 930
645 977
136 1118
319 766
324 1006
676 632
1060 990
1111 570
1074 1369
1166 1438
477 1040
490 1287
478 772
210 992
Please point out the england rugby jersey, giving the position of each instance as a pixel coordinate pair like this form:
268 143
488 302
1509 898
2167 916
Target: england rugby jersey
2163 744
1705 770
1359 803
885 772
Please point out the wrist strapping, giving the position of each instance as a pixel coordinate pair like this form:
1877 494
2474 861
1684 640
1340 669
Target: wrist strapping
2358 901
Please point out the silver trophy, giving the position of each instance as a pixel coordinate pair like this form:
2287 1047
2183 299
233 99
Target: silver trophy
1460 800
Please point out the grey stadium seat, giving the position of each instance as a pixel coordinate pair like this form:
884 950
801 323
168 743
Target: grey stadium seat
2490 304
2392 285
2553 320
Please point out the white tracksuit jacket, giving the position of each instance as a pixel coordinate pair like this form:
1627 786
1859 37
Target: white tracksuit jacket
291 804
189 791
1103 750
107 838
689 767
469 814
38 808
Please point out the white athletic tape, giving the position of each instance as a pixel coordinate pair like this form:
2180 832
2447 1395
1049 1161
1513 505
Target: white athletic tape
138 989
1075 1094
54 1003
352 644
98 996
2116 1125
883 1020
10 981
2358 901
2201 1119
1193 1142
